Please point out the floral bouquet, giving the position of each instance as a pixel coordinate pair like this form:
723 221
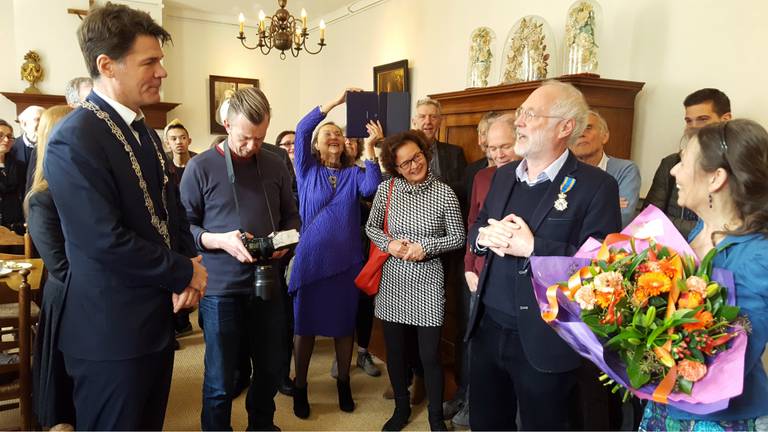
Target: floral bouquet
643 310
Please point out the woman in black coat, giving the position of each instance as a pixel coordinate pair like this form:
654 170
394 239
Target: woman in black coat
52 387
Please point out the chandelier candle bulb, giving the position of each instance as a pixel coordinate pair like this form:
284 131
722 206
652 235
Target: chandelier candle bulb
303 18
322 30
261 20
241 19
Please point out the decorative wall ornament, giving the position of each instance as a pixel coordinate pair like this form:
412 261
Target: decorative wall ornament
581 48
527 55
480 57
32 72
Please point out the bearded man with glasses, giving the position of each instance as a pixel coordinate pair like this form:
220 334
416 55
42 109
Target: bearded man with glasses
547 204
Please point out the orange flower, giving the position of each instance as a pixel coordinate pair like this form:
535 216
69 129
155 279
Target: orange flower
690 300
705 320
672 267
654 283
691 370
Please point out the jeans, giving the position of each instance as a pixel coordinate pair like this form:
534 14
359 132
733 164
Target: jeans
226 321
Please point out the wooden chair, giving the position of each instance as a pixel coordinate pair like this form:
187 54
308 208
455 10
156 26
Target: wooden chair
13 245
9 239
19 390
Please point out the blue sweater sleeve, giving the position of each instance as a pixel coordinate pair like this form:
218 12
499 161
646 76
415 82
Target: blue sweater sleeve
302 150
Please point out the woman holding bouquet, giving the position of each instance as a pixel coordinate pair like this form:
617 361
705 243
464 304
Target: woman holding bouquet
723 178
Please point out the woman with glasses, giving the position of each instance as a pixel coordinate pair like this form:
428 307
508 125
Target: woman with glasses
722 177
11 182
329 255
424 221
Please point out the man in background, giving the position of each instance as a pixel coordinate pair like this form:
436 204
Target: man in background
482 142
177 140
448 163
590 149
77 90
702 107
25 143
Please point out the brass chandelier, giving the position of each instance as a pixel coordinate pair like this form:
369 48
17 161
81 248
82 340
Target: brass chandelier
283 32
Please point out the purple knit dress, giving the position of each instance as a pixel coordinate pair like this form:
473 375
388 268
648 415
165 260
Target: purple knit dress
329 254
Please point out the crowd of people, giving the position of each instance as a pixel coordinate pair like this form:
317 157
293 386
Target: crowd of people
169 230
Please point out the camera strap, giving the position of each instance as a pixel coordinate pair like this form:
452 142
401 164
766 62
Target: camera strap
233 183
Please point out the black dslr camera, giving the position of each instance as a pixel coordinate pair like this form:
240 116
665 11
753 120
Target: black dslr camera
264 275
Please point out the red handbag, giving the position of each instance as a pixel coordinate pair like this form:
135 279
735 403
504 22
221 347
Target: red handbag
370 276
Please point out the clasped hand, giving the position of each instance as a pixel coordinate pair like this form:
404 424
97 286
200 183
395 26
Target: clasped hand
509 236
406 250
192 294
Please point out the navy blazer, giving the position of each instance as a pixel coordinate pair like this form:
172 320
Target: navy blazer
593 211
452 164
121 274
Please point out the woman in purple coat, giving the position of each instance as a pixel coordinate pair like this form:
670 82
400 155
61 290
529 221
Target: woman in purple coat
329 255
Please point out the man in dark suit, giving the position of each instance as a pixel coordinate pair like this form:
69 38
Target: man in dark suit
546 204
448 163
131 255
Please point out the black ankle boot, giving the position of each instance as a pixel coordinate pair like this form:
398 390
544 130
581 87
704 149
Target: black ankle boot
345 395
401 415
300 402
436 422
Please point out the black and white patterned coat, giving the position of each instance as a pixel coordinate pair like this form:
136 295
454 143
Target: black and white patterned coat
427 213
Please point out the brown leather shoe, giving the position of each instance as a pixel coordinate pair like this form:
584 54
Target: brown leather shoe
388 393
418 391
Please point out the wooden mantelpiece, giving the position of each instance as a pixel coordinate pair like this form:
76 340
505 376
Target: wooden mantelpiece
614 99
156 114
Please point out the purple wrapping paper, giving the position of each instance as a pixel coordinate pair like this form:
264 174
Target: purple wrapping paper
711 393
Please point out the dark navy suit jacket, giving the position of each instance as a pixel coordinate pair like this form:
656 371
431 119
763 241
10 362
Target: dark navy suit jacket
121 274
593 211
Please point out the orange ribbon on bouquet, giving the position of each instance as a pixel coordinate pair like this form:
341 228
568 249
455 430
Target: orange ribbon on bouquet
574 283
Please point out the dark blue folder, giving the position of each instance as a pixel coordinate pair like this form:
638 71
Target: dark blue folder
393 110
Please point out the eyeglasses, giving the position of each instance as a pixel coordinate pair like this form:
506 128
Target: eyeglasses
505 147
4 136
528 115
416 159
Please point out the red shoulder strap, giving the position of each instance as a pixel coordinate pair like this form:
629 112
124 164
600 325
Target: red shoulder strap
386 209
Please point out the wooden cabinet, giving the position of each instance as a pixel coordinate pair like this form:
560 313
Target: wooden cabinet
613 99
155 113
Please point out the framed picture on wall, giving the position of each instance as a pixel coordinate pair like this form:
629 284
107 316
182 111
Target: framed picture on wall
391 77
219 89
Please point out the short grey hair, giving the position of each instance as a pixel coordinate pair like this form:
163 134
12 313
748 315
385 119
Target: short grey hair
72 89
29 112
251 103
507 119
429 101
486 120
571 105
600 121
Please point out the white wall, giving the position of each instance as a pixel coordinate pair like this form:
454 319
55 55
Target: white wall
675 47
201 49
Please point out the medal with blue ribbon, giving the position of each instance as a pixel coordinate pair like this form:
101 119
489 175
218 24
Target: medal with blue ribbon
561 203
